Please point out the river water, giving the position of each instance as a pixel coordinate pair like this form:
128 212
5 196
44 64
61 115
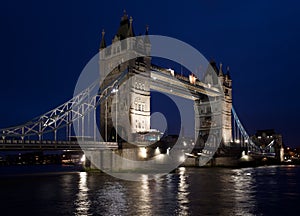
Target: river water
268 190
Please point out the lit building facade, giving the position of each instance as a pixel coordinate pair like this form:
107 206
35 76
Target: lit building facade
221 124
130 103
269 142
134 108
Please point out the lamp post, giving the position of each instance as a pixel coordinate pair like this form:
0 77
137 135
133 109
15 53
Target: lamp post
106 119
115 90
116 115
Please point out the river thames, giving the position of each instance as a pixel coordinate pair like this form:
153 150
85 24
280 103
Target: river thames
267 190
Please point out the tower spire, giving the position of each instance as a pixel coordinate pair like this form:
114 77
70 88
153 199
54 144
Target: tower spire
103 43
130 30
220 70
228 73
147 40
124 17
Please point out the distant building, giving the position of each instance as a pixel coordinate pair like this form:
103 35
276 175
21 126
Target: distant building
269 141
152 135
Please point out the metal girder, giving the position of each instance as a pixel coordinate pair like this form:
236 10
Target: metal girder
243 131
65 114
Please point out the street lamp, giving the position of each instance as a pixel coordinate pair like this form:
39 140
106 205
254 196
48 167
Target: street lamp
115 90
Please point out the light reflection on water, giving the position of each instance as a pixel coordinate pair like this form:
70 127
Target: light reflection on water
82 202
144 205
183 192
269 190
186 192
244 186
110 199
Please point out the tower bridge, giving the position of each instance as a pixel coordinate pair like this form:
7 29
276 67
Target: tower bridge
212 97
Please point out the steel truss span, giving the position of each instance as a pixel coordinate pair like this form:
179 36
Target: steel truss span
241 136
62 117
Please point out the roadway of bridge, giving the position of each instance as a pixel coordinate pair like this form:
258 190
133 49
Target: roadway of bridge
180 86
12 145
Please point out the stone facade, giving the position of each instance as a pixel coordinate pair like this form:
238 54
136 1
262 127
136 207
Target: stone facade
129 104
134 107
213 115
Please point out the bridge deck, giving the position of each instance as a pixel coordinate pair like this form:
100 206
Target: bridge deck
10 145
162 80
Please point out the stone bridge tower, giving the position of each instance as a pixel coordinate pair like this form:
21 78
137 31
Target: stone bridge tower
220 107
131 102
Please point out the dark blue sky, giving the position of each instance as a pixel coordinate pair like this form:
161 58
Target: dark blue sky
46 44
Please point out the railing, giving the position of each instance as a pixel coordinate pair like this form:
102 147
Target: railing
51 144
183 78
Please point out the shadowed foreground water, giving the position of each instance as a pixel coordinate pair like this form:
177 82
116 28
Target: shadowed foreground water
272 190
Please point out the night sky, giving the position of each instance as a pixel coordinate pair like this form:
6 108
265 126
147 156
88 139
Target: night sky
46 44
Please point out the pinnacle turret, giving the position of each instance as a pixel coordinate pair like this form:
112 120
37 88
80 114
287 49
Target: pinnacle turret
103 43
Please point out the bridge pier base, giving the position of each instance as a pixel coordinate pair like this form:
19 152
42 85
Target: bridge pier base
132 159
112 160
99 159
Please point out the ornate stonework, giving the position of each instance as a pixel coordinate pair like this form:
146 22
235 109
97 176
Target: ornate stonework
219 107
121 106
134 107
